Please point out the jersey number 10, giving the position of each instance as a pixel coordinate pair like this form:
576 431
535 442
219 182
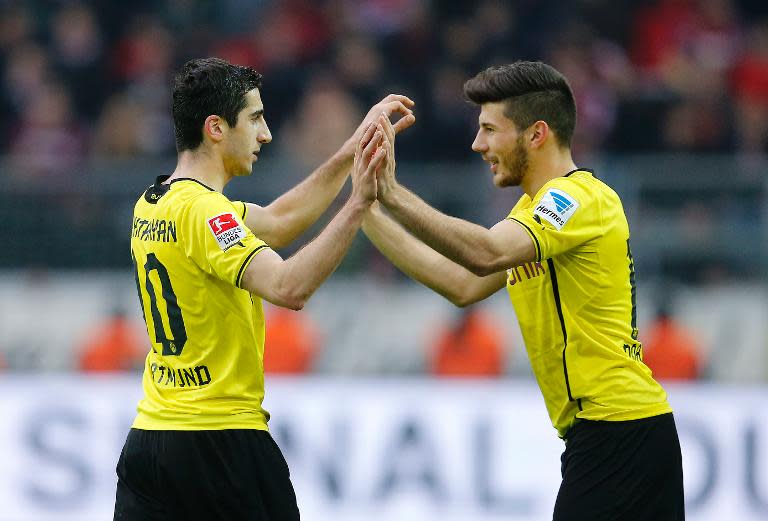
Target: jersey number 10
174 345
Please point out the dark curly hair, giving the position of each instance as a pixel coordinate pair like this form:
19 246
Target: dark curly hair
532 91
208 86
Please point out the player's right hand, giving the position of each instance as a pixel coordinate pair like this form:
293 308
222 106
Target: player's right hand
369 157
385 175
391 104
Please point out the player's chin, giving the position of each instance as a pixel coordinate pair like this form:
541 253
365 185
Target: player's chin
245 171
503 181
499 180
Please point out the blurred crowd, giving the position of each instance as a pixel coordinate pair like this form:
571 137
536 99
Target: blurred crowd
84 80
467 344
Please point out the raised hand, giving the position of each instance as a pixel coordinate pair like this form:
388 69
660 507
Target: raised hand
385 175
369 157
391 104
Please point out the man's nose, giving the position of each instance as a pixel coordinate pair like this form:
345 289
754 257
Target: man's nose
265 136
478 145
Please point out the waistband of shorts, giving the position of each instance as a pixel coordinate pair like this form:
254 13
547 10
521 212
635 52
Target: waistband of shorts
580 423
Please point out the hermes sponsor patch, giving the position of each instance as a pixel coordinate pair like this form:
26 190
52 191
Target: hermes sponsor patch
557 207
226 230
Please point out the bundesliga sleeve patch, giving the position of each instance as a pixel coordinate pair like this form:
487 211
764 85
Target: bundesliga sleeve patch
557 207
226 230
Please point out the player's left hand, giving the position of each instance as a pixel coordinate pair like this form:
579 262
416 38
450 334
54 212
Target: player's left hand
369 157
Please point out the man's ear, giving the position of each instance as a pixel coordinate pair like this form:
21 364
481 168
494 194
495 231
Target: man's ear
214 128
539 133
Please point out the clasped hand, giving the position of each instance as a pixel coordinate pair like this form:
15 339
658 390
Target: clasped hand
373 173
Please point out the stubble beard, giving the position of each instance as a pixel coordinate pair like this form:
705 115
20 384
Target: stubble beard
518 168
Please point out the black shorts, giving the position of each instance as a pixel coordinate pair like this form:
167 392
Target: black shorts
203 475
622 471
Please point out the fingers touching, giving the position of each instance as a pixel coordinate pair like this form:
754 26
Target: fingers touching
370 149
387 128
368 158
397 103
404 122
405 100
367 136
373 143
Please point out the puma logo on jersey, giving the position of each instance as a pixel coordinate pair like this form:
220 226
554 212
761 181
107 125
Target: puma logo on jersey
530 269
226 230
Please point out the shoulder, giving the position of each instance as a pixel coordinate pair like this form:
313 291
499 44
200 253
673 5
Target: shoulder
578 195
580 187
210 218
204 212
210 202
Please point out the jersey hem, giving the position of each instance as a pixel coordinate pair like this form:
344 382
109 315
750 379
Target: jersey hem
174 427
148 424
619 416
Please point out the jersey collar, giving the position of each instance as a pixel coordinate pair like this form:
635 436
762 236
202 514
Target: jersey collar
580 170
190 179
160 187
157 190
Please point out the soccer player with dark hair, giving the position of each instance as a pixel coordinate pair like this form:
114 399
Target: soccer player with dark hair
199 448
563 254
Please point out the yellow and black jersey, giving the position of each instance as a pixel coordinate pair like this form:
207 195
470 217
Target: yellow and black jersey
190 247
576 305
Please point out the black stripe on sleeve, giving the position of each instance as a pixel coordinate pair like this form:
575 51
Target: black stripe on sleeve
245 210
559 307
238 280
533 236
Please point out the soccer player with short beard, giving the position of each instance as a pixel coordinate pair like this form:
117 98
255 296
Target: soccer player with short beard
563 255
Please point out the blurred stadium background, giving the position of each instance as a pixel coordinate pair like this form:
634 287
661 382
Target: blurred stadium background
388 402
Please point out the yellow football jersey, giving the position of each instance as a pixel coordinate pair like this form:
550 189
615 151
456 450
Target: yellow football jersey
190 247
576 305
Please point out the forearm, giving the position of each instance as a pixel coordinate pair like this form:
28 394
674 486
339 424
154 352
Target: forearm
308 268
463 242
300 207
425 265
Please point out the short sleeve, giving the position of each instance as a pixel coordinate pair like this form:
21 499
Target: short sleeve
240 208
216 239
561 217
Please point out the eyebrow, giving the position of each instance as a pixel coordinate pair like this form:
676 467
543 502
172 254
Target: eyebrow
257 113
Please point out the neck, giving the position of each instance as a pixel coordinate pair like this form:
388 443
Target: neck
545 167
202 166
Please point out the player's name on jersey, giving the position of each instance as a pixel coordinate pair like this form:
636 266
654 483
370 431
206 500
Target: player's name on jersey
158 230
180 377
